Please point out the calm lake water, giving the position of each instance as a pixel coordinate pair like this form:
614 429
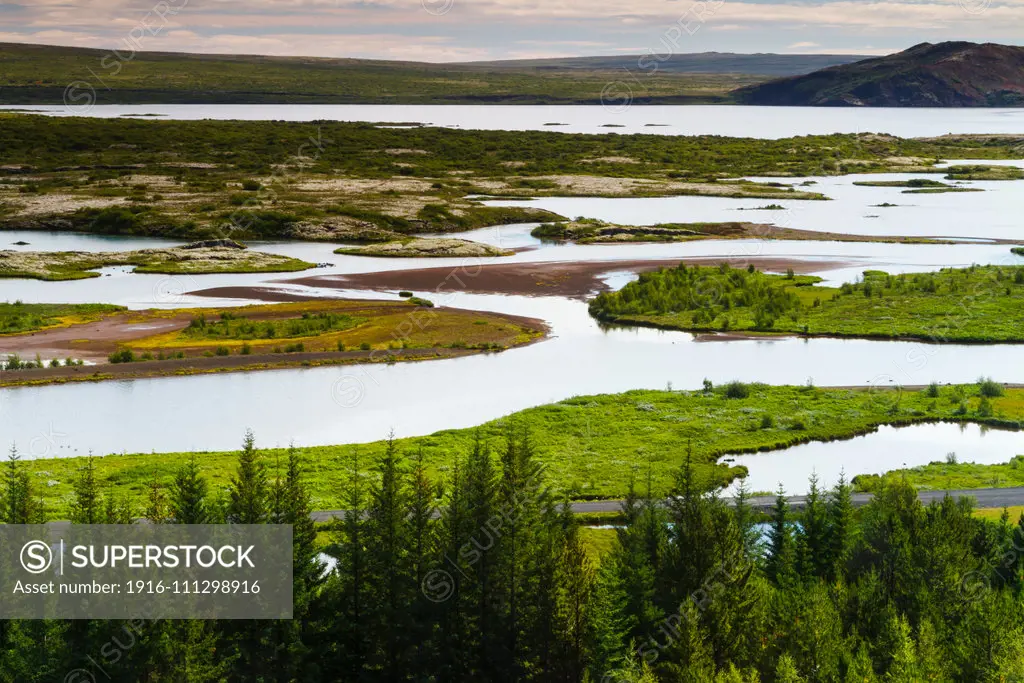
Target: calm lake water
853 209
736 121
887 449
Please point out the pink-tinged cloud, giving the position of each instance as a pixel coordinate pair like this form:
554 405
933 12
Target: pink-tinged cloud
458 30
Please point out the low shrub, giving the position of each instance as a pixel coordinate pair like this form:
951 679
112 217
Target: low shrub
989 388
122 356
737 390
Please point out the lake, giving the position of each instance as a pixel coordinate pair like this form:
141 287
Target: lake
853 209
887 449
735 121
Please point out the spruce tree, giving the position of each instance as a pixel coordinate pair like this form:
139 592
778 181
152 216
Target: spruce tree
607 628
902 654
574 585
631 562
20 501
354 608
390 587
685 654
746 522
786 671
813 535
87 505
292 506
188 501
779 565
248 493
421 534
479 558
841 527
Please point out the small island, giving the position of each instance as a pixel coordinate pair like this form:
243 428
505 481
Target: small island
193 259
426 247
936 307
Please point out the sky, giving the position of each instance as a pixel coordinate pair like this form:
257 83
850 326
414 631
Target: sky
467 30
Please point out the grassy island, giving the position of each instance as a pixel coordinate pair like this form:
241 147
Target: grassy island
980 304
123 344
426 248
78 265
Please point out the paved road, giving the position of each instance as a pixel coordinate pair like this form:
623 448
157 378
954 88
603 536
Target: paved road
984 498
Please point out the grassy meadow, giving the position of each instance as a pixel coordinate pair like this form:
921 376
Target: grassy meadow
592 445
18 317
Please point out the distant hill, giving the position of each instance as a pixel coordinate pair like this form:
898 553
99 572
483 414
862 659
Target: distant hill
767 64
954 74
41 74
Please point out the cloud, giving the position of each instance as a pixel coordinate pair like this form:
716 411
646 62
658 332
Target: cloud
493 29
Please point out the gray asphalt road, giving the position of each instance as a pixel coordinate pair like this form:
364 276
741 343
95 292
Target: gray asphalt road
984 498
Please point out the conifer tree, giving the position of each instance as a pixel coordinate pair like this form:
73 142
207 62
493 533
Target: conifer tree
421 534
746 522
840 527
191 653
353 580
813 536
779 564
685 652
446 583
859 667
293 637
87 505
248 493
479 557
387 547
574 584
20 501
631 562
188 501
786 671
902 655
607 628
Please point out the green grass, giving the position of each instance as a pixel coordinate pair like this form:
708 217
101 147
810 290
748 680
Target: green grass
598 542
239 327
993 514
952 476
592 445
976 304
20 317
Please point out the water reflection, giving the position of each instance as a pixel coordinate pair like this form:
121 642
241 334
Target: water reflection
887 449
